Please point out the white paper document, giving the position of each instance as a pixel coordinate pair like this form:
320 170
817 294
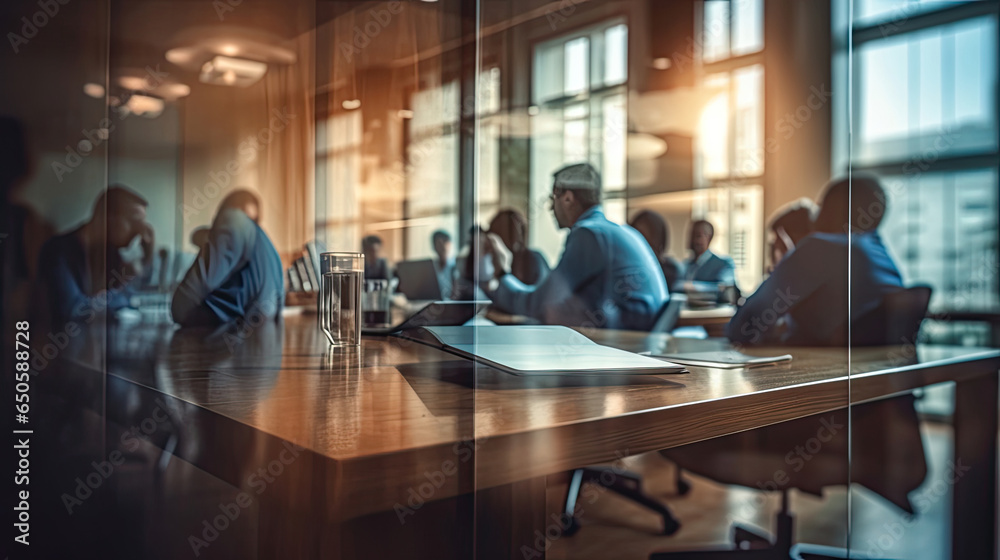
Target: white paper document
544 350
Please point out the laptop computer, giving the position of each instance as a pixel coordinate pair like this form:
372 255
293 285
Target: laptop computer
435 314
418 280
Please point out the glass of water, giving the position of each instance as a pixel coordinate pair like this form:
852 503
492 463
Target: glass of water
340 297
377 303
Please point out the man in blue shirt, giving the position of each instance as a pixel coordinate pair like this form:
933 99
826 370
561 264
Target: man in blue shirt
237 274
82 273
704 265
607 277
805 300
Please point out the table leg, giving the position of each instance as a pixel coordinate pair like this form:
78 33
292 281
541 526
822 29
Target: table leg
974 493
511 522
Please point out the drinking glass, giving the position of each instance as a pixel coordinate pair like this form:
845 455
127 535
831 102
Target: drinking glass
340 297
377 303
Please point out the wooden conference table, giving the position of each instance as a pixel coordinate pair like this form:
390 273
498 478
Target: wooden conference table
406 447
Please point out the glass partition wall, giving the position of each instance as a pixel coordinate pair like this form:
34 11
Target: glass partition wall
701 124
922 82
813 185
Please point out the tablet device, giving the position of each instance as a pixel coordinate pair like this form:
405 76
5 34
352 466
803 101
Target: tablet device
418 280
435 314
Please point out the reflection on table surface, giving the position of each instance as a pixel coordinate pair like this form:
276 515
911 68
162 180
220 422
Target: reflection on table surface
398 402
284 377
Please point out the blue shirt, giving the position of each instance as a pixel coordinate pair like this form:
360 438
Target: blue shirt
711 268
237 274
805 300
445 276
607 277
64 270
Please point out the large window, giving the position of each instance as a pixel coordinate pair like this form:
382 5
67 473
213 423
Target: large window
579 113
730 148
925 116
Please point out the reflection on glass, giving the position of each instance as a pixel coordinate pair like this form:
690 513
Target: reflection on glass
716 30
616 54
749 116
928 90
714 129
748 26
576 75
943 228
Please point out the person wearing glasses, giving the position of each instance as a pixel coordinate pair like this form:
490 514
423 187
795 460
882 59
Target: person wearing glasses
607 277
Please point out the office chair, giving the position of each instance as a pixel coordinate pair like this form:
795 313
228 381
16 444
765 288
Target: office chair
669 314
626 483
895 321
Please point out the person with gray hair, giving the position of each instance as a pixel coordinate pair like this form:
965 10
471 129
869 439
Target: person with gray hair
607 277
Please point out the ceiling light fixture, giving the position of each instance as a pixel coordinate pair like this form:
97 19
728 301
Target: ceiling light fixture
662 63
229 71
94 90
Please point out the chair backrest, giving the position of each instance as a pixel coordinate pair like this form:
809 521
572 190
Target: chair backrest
667 319
895 321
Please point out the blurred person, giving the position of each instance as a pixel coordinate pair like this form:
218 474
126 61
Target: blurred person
813 291
528 265
704 265
474 268
654 228
376 267
444 263
24 230
237 272
82 273
199 236
607 277
789 226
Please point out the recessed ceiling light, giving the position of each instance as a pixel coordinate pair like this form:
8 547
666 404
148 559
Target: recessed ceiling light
351 104
228 71
177 90
662 63
180 55
94 90
134 83
229 49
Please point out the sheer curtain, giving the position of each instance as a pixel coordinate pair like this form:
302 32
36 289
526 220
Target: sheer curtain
287 172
